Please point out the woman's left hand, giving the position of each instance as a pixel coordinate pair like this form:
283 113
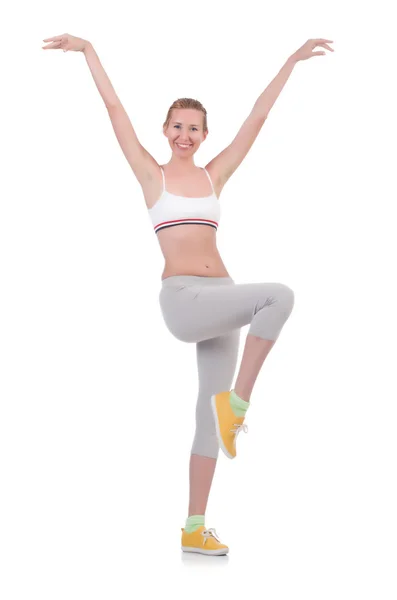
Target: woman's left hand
306 51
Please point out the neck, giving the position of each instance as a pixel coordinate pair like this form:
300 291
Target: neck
182 164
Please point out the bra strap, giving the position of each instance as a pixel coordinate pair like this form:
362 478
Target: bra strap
209 179
162 172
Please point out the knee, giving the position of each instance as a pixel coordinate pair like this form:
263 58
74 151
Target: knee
287 299
283 299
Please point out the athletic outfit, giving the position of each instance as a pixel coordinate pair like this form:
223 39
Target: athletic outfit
171 210
210 311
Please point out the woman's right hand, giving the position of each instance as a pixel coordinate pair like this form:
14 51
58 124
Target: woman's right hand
66 42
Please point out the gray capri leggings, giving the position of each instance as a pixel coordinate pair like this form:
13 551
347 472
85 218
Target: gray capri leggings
210 312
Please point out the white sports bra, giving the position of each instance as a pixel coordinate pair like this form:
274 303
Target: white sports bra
171 210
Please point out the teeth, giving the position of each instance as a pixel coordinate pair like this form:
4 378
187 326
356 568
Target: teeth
184 145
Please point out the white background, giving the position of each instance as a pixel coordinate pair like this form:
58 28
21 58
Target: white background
98 398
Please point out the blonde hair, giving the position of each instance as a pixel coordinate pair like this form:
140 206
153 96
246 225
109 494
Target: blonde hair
186 103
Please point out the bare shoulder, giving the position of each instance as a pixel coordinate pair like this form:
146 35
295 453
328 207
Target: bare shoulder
215 176
150 170
218 181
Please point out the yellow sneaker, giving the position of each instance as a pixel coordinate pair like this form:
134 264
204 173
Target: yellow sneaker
228 426
203 541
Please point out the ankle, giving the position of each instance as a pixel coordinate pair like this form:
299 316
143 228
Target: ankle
242 393
238 405
193 522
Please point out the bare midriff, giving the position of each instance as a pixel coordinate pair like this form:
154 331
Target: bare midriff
191 250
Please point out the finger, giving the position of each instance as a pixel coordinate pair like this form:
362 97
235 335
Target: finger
55 45
326 46
53 39
317 53
322 40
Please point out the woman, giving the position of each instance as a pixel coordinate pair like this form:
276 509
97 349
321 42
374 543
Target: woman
199 300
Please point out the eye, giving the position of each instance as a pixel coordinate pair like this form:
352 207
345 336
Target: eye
178 126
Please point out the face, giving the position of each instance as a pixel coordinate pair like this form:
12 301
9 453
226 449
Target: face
186 128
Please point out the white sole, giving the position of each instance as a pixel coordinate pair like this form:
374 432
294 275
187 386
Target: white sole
210 552
218 431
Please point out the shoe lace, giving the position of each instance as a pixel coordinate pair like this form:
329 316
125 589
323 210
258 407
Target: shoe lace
243 427
210 533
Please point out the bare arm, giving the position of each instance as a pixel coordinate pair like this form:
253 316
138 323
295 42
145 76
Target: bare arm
139 159
101 79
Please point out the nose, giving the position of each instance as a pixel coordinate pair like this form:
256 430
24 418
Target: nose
182 138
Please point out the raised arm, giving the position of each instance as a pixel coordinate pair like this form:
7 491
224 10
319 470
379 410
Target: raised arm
101 79
139 159
227 161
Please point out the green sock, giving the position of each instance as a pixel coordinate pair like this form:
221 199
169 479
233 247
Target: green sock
194 522
239 406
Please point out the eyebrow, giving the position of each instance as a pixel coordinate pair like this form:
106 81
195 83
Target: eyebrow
179 123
